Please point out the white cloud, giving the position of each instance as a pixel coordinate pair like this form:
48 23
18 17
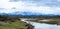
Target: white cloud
29 7
7 11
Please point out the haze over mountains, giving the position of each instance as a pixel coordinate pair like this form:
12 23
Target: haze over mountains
23 13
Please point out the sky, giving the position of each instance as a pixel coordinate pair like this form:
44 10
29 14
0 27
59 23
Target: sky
34 6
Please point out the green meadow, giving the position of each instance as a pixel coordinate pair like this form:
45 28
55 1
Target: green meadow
13 23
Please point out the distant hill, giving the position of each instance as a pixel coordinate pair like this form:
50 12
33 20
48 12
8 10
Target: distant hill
29 14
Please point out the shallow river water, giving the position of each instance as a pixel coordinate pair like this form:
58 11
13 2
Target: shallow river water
42 25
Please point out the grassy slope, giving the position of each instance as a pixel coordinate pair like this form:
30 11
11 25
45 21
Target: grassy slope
13 25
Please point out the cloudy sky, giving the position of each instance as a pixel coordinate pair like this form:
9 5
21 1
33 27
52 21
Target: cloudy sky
35 6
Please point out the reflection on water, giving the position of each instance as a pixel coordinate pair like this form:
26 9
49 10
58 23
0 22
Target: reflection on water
43 26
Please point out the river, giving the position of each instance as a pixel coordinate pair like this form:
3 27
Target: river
41 25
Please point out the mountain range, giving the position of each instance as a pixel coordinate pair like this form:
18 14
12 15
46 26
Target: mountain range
27 14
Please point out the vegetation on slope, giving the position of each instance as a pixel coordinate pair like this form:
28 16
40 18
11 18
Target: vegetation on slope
13 22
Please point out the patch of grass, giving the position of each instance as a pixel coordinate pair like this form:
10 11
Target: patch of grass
13 25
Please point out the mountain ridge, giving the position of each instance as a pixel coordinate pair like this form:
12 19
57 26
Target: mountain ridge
27 14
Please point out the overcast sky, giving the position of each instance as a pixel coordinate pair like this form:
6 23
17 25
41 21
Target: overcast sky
35 6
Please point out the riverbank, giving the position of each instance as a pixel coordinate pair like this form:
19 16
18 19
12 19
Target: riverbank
18 24
13 22
29 26
47 21
41 25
